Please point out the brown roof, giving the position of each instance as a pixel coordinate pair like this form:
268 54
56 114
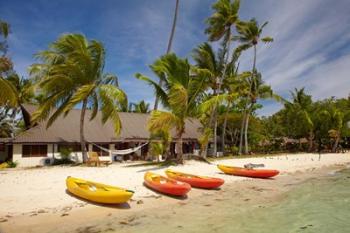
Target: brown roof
66 129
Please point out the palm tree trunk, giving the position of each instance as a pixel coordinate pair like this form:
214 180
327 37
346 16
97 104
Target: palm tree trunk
26 116
246 144
179 157
211 122
241 134
335 145
311 140
228 46
170 42
223 135
82 138
215 149
246 149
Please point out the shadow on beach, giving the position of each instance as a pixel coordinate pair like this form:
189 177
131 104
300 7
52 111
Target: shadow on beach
113 206
167 195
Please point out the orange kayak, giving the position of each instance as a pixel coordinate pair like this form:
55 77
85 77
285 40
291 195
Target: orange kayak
255 173
166 185
194 180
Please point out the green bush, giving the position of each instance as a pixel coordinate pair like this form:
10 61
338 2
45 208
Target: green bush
65 157
9 164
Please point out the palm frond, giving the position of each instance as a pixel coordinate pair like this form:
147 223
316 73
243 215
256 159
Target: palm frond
161 120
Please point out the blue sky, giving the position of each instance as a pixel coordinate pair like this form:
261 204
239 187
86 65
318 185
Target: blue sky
311 47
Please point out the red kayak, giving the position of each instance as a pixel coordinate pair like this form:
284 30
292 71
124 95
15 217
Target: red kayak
166 185
194 180
254 173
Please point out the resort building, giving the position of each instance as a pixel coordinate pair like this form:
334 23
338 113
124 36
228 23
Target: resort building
39 145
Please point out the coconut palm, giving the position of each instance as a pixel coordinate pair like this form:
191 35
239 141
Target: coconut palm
179 94
249 35
24 90
257 90
206 59
299 114
220 25
140 107
71 74
170 42
7 95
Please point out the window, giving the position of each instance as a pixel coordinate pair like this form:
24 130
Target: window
2 147
34 150
72 147
99 151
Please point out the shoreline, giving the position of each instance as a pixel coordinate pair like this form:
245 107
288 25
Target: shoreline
79 213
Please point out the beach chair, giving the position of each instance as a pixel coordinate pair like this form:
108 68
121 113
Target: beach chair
94 159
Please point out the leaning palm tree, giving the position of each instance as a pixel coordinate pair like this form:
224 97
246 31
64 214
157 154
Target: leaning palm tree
179 95
72 74
249 35
170 42
220 27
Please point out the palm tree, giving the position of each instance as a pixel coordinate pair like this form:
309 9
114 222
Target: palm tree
299 114
4 31
220 27
140 107
170 42
24 90
72 74
206 59
257 90
179 95
249 35
7 95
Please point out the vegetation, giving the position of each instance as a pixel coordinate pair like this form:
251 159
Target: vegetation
9 164
72 74
64 157
179 94
170 42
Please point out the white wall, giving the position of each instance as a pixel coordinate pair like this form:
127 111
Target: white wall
52 152
26 162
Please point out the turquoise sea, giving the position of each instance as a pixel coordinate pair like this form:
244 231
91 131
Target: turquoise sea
316 205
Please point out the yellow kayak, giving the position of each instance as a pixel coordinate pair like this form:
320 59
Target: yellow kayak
97 192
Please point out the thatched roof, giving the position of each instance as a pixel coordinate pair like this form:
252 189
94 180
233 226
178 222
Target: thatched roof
66 129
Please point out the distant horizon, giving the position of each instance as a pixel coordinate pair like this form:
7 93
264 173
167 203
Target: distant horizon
311 47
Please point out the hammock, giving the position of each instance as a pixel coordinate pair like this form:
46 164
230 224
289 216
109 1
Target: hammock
121 152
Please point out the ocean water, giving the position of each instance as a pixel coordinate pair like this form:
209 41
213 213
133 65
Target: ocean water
316 205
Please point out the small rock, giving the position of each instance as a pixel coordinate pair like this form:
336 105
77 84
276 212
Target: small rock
139 202
64 214
123 222
41 211
3 220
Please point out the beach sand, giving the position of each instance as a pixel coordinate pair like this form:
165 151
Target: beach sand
35 200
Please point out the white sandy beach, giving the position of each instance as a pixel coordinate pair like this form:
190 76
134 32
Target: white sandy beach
44 190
